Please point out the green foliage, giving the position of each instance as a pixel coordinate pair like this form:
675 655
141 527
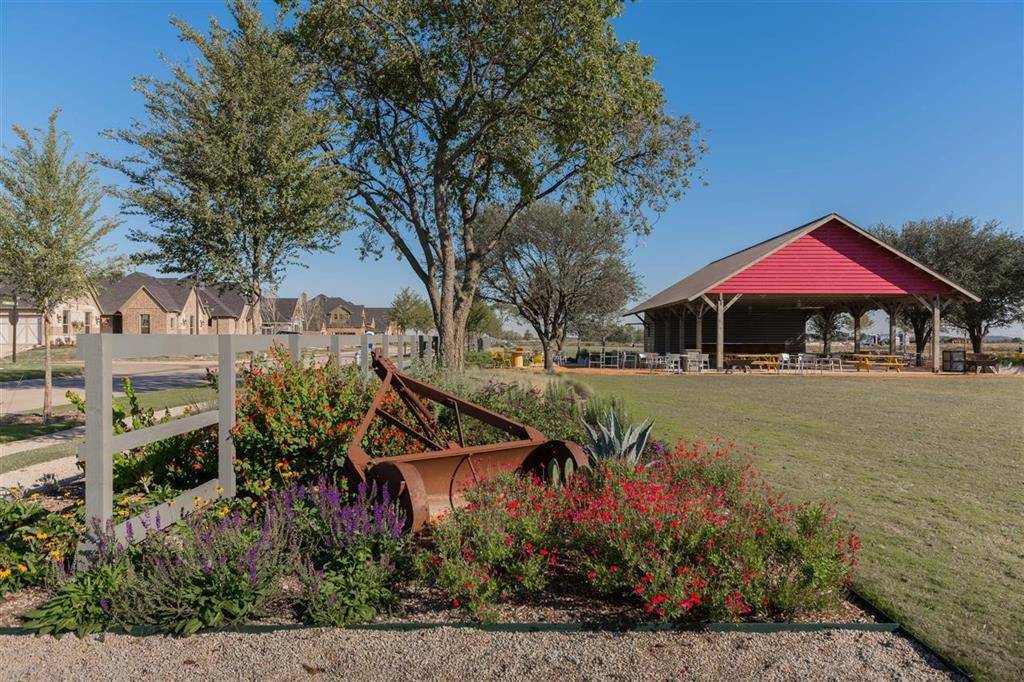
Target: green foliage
411 311
489 552
694 536
34 543
49 226
554 411
555 265
355 589
83 605
613 438
499 103
984 259
229 165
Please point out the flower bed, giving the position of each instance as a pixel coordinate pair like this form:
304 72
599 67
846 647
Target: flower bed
689 533
696 536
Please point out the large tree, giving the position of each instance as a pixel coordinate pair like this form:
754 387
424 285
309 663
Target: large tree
50 227
982 258
230 167
456 105
555 265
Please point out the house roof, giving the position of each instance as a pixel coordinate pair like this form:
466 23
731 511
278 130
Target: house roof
284 309
169 292
380 317
223 300
718 272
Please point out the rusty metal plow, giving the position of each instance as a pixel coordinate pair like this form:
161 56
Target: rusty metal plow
430 482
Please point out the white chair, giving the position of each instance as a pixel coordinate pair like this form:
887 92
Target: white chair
705 362
785 362
673 362
832 362
806 361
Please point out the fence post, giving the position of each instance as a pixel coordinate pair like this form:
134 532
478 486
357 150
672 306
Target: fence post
422 346
385 343
336 352
364 355
226 414
99 432
294 347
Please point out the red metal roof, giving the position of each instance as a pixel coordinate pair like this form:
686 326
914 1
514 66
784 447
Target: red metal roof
833 259
826 256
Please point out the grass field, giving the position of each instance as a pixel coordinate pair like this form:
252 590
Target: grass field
932 468
67 415
30 365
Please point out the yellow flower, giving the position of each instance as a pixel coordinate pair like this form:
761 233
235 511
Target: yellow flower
4 573
56 555
219 489
23 568
34 496
41 536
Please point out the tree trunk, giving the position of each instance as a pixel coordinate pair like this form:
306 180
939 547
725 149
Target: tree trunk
257 316
977 335
921 333
14 334
47 370
545 346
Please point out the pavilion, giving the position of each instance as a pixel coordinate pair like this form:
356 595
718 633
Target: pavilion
761 297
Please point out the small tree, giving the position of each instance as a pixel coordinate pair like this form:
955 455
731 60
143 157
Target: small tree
483 319
984 259
555 265
453 106
50 227
827 324
409 311
230 168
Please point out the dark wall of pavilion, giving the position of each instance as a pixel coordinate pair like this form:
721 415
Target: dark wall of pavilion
748 329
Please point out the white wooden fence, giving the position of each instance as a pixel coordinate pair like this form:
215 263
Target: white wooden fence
100 350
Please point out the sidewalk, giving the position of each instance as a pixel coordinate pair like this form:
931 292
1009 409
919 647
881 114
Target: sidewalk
60 469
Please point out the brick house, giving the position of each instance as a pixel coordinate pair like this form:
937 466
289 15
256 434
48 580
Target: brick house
71 318
143 304
322 314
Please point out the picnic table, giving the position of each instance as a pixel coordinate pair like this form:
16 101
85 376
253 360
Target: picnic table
866 361
981 362
765 361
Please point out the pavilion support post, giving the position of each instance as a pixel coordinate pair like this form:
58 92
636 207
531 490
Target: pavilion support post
936 335
893 311
720 335
699 313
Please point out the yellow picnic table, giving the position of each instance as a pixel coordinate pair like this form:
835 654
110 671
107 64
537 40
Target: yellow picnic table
765 361
866 361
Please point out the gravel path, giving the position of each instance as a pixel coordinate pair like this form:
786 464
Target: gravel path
448 654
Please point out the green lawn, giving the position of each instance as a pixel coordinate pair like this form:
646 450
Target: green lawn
158 400
931 467
30 365
12 432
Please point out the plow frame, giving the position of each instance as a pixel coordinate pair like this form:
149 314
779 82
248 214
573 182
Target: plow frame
428 483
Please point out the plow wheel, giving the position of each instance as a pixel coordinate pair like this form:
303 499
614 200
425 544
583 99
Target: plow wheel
555 461
405 485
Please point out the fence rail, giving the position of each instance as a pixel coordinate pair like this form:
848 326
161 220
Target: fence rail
100 350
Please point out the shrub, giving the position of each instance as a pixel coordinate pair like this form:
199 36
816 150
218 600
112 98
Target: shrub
614 439
354 551
494 548
696 536
83 605
35 544
554 411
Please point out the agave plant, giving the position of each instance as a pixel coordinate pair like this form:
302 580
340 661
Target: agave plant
616 440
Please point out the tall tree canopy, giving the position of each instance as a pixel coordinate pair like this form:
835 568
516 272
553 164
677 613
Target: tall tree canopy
555 265
50 227
982 258
230 167
454 105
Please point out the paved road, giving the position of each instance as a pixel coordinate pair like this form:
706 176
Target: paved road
22 396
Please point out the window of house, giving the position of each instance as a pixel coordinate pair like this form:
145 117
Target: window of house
174 323
144 324
191 324
88 322
65 322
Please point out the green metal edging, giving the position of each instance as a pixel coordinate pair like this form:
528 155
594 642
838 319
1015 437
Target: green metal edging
522 627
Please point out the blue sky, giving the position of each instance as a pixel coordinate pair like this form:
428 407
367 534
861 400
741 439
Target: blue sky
883 112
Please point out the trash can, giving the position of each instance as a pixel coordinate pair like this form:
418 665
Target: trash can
517 358
954 361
